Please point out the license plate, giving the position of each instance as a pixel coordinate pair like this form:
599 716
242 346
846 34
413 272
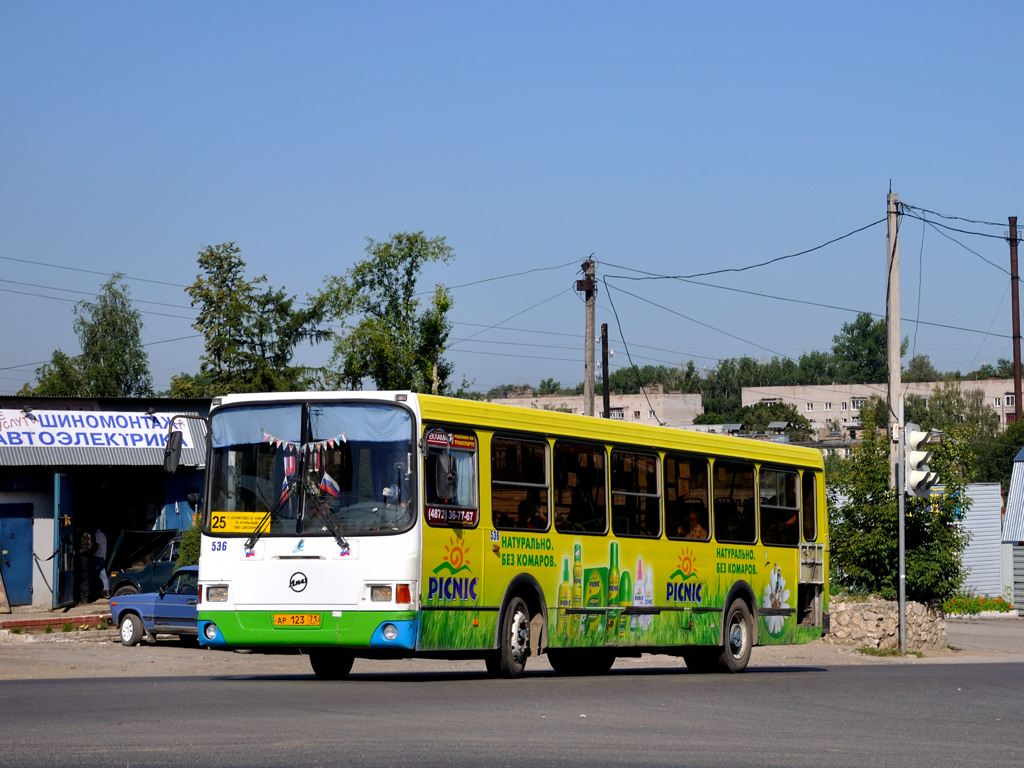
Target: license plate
296 619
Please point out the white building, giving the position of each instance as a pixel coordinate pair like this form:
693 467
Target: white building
825 405
653 406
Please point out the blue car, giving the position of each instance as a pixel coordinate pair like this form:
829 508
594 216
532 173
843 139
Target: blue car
169 611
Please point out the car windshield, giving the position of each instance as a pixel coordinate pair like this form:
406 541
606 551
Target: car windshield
331 469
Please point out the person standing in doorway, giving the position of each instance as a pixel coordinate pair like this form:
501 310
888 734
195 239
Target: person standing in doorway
99 562
83 556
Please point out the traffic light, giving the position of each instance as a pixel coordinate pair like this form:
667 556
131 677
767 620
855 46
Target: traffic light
917 458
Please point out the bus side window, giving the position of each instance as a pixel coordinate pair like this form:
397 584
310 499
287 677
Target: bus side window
810 506
519 484
580 488
780 507
734 513
450 469
686 497
635 494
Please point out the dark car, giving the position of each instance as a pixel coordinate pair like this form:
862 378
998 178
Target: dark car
169 611
141 561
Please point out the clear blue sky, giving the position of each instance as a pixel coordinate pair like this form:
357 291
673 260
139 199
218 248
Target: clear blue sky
672 138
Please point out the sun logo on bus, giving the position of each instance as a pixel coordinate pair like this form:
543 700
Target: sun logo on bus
456 557
687 565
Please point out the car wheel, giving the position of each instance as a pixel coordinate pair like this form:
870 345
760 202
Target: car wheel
126 589
132 630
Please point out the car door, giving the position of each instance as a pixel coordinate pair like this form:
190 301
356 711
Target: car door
176 608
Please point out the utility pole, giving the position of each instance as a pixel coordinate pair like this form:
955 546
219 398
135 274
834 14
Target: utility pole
1014 283
606 394
892 328
588 286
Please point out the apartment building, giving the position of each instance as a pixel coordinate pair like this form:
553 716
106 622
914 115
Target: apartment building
830 405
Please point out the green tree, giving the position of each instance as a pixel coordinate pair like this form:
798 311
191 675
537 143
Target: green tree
549 387
385 337
817 368
61 377
994 457
757 417
113 362
860 351
250 333
920 368
864 527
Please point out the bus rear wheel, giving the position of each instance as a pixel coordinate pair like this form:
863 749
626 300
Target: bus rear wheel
739 638
514 646
331 664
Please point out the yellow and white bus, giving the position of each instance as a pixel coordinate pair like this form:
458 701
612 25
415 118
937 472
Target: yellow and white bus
391 524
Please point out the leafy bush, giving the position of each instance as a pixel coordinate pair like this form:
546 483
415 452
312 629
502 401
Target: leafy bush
188 553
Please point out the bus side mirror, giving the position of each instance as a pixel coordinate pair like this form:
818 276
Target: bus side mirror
172 453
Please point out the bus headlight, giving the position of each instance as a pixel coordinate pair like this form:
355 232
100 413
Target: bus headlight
216 594
210 630
380 594
390 631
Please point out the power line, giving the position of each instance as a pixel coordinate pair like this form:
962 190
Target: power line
653 276
91 271
84 293
945 216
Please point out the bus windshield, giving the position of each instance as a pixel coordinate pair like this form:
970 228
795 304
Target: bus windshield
312 469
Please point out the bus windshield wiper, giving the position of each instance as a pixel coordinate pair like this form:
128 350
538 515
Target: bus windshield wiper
323 511
272 514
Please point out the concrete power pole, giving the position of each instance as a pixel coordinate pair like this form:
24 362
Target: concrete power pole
588 286
1014 284
892 327
606 411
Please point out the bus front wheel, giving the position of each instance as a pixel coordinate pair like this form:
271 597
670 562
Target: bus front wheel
514 647
331 664
739 638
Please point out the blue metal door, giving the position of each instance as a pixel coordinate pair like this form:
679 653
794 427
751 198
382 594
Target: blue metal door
63 543
16 552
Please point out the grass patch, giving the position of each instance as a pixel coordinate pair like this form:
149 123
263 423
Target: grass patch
49 629
67 627
15 630
884 652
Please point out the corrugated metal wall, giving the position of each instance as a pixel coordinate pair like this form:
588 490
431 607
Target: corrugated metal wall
1018 577
1013 526
982 557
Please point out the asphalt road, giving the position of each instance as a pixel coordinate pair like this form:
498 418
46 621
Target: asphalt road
98 703
854 715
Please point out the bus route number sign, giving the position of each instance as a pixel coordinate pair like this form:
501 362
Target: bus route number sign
452 516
